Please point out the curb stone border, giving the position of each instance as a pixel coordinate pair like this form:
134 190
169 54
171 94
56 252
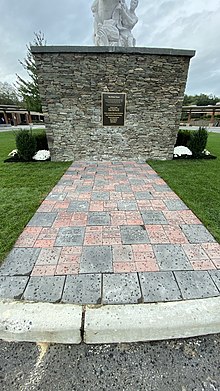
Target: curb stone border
73 324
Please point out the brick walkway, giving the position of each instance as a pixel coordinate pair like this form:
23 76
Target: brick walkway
112 233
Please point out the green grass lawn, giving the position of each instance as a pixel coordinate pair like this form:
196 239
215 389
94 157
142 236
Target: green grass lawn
197 182
23 186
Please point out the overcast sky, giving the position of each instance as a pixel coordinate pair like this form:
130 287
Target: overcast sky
182 24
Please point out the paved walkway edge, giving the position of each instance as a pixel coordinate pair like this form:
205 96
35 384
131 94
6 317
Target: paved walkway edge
149 322
40 322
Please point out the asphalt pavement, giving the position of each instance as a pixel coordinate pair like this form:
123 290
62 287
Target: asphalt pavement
178 365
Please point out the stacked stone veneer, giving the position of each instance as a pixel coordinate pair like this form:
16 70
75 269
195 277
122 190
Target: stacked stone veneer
72 80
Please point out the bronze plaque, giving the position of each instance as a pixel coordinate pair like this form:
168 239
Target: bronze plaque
113 109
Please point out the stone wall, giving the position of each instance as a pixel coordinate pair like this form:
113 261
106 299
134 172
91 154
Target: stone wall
72 80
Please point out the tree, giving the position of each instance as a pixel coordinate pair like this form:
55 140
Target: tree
9 95
29 89
200 100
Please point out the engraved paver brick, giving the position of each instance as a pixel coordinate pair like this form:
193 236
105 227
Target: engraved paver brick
20 261
47 288
56 197
143 195
122 254
78 206
153 217
96 259
100 196
134 234
99 218
215 275
82 289
121 289
197 233
42 219
171 257
159 287
12 287
161 188
48 256
175 205
127 205
70 236
196 284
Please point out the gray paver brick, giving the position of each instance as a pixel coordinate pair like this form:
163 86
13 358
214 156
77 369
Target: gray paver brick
121 289
96 259
56 197
122 253
136 182
100 196
70 236
161 188
215 275
143 195
159 286
154 217
134 234
84 189
46 288
19 262
196 284
127 205
98 218
175 205
42 219
82 289
197 233
171 257
78 206
123 188
12 287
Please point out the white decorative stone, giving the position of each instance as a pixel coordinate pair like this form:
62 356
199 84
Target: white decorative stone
113 22
42 155
181 150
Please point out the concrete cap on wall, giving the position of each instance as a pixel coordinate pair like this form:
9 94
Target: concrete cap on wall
113 49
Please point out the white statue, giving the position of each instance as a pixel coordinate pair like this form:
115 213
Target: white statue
113 22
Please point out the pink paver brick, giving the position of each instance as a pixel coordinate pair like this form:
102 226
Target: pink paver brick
32 230
189 217
145 257
157 234
110 206
61 205
25 241
205 264
96 206
124 267
158 205
68 258
212 249
60 223
195 252
173 217
44 243
46 206
48 233
75 250
48 256
39 271
94 239
175 234
149 266
67 269
216 263
115 196
137 248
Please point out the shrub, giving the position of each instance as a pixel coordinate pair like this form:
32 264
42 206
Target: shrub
183 138
198 141
26 145
41 141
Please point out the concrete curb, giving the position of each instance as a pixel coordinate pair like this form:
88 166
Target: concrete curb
148 322
40 322
73 324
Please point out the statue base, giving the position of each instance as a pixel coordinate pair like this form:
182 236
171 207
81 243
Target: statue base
72 80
